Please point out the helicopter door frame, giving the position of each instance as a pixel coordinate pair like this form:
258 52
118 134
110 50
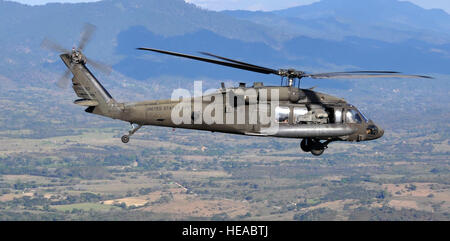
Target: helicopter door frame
342 118
291 115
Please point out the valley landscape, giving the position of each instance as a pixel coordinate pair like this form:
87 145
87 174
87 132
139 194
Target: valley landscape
59 163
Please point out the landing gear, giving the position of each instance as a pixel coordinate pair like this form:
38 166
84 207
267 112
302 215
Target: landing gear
126 138
317 152
314 146
304 145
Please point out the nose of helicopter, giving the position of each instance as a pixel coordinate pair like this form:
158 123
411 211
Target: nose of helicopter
374 131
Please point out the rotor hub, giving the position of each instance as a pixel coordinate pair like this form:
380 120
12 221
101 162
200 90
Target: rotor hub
291 73
77 57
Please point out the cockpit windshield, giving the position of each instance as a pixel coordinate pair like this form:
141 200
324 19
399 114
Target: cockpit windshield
352 116
364 117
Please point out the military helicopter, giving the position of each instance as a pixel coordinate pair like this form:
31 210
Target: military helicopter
316 118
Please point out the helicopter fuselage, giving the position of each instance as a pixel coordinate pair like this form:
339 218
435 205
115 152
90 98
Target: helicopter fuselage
313 115
270 111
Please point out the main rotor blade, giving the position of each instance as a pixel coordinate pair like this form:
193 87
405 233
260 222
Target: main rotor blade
238 62
362 72
86 36
213 61
363 75
52 46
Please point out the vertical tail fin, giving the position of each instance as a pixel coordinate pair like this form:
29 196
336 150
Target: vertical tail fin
92 94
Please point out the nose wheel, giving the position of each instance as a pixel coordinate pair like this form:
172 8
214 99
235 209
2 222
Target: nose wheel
314 146
126 138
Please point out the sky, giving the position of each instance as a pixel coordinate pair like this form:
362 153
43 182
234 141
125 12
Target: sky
264 5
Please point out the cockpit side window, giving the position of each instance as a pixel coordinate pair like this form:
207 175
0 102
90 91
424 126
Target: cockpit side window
282 114
352 116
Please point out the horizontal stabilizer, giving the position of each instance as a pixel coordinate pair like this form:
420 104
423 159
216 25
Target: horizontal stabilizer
84 102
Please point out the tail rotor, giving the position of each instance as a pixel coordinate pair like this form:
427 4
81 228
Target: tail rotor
76 54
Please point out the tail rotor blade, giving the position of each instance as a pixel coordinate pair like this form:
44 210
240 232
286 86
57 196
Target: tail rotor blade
52 46
106 69
86 36
64 81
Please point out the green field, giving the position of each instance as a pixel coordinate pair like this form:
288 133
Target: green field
85 207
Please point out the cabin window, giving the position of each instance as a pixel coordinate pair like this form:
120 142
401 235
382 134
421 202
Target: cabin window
282 114
352 116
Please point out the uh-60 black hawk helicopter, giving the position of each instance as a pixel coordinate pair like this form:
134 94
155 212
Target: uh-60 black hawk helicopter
316 118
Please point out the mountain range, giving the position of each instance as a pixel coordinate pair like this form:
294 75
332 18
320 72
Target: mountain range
330 35
385 20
